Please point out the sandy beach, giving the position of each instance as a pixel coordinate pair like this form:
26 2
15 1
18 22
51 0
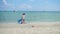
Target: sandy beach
30 28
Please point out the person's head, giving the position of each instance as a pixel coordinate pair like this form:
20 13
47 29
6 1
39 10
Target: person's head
23 14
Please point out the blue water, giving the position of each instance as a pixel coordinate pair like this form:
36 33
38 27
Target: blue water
31 16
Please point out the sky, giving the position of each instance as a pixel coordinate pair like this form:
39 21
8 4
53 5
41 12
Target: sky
30 5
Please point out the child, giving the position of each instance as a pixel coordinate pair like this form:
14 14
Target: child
23 18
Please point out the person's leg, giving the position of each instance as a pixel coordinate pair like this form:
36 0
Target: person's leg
23 21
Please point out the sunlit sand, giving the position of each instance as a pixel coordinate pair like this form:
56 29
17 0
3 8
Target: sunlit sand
31 28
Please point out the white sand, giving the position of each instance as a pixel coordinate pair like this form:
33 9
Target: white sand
31 28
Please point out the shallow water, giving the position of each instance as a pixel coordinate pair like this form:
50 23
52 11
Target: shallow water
31 16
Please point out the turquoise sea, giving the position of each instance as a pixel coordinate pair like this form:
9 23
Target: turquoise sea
31 16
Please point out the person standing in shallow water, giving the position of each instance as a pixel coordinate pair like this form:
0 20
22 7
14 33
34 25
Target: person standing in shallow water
23 18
